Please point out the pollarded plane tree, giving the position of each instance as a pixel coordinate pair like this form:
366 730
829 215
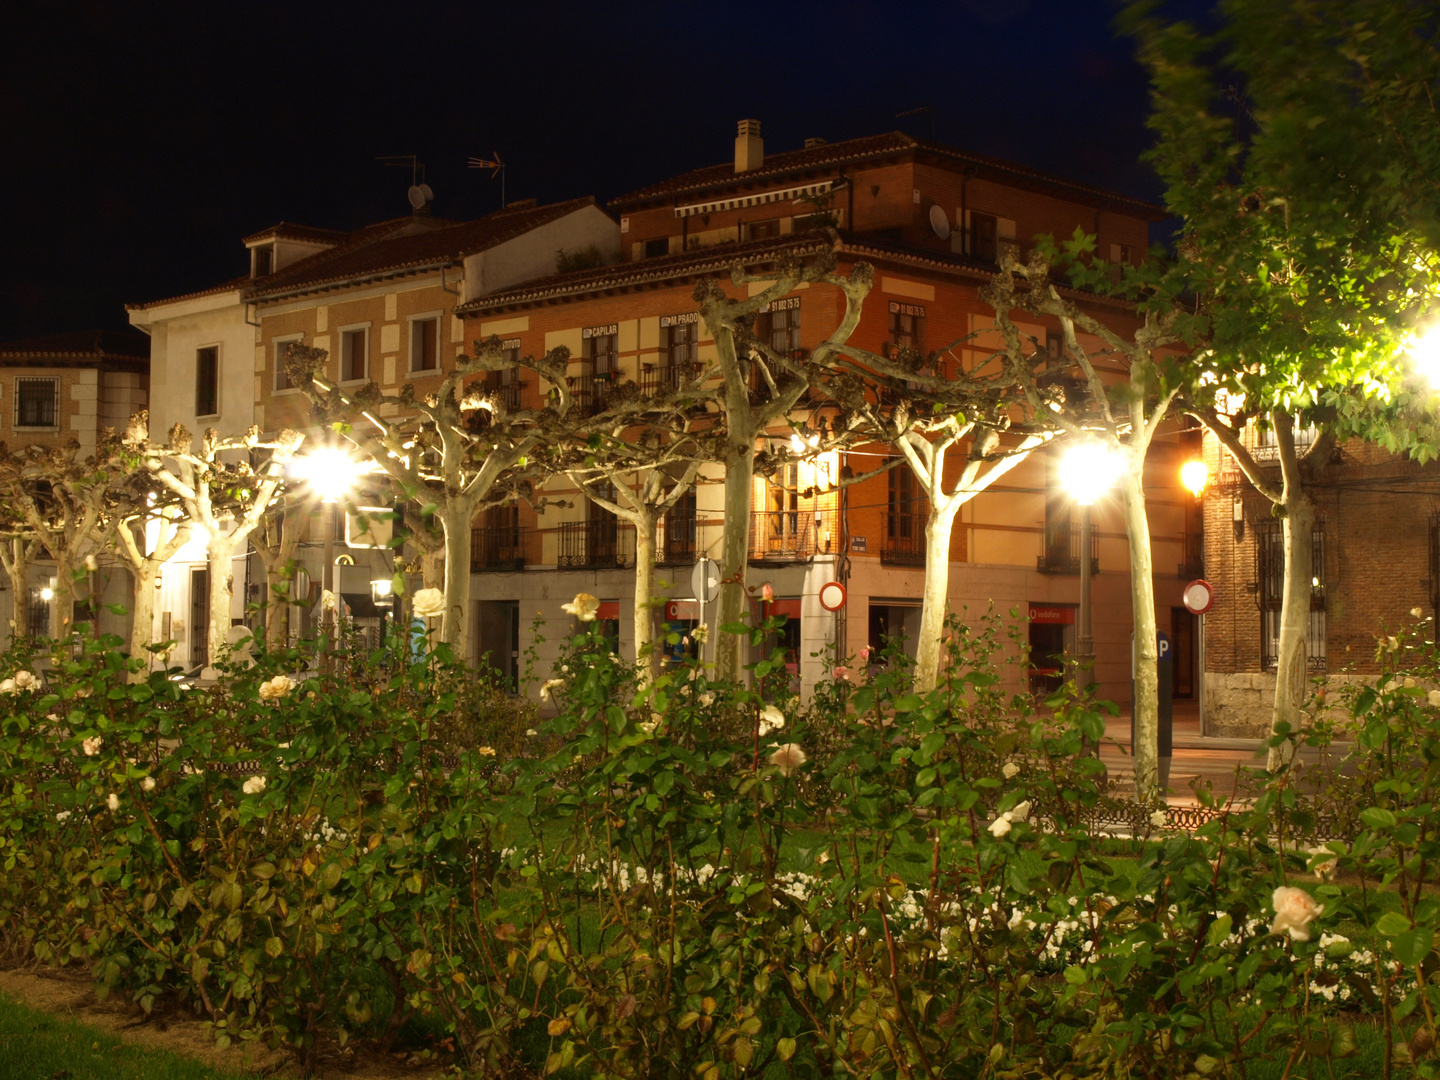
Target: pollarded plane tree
1148 366
959 431
453 451
63 500
1300 147
18 548
759 388
225 486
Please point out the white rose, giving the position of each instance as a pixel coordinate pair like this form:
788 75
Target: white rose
276 688
788 757
92 745
8 686
1434 698
148 784
1409 683
1011 770
428 603
1000 826
1020 811
113 801
549 687
254 786
584 607
1157 819
90 563
700 633
62 816
771 719
1294 909
707 698
25 679
1416 613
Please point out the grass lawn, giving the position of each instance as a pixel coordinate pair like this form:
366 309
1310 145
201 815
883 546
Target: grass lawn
40 1046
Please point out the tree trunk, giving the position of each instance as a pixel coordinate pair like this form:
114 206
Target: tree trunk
62 613
938 529
1292 667
645 657
432 569
142 628
739 473
1146 704
17 568
277 607
454 630
219 554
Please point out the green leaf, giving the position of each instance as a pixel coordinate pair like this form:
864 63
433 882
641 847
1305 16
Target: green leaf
1075 975
1219 930
1377 817
274 947
1392 923
785 1049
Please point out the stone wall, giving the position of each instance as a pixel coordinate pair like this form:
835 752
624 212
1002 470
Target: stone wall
1237 704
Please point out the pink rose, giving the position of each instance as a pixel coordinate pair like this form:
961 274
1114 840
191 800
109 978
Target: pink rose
865 655
842 672
1294 909
767 593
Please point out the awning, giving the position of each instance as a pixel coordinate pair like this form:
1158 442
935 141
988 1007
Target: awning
758 198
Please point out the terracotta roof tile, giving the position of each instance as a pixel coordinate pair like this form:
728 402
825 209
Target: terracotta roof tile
234 284
832 155
406 245
94 345
288 230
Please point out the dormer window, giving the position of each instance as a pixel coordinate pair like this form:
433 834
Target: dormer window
262 261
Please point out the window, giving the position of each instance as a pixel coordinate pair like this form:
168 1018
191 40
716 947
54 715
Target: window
425 345
1267 447
785 503
906 321
601 346
207 380
37 403
678 338
354 354
282 350
37 613
264 261
763 230
779 326
657 247
983 237
1270 576
1054 346
680 531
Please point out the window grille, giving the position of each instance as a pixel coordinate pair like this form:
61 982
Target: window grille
1270 581
37 403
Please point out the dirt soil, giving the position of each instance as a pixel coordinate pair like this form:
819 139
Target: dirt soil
70 994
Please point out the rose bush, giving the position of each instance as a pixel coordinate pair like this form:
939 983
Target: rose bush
682 878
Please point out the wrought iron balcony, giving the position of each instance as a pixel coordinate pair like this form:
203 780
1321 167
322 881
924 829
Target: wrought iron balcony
1193 563
791 535
591 393
1061 554
676 545
501 548
509 394
904 542
596 544
667 378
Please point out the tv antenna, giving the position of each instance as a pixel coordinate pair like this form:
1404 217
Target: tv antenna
496 167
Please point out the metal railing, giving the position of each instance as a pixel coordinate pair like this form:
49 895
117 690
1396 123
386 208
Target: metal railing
791 535
1192 564
591 393
1060 549
676 543
904 543
667 378
600 543
497 548
509 394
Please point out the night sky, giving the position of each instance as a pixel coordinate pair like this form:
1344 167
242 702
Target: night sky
142 141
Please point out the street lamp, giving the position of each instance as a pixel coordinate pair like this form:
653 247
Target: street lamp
1424 351
329 472
1087 471
1195 474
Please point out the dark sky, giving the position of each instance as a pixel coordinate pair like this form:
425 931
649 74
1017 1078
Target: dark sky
142 141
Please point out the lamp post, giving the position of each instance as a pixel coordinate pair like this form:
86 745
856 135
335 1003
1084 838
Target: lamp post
1087 470
1194 475
1424 352
330 474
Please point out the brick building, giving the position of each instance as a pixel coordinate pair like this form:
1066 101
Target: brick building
1376 550
60 388
934 222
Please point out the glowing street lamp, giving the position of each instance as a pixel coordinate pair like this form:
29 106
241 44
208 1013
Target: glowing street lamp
1424 352
330 473
1087 471
1194 475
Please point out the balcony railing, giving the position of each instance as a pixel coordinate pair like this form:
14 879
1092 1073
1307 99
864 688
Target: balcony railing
904 543
1061 550
676 546
667 378
509 394
597 544
591 393
791 535
498 548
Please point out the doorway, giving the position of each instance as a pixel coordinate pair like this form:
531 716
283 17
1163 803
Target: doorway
497 640
199 617
1052 637
1182 648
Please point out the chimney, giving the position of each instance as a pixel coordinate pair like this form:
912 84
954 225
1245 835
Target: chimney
813 142
749 147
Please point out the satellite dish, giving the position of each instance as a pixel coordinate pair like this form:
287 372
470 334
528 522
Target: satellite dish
939 222
420 194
